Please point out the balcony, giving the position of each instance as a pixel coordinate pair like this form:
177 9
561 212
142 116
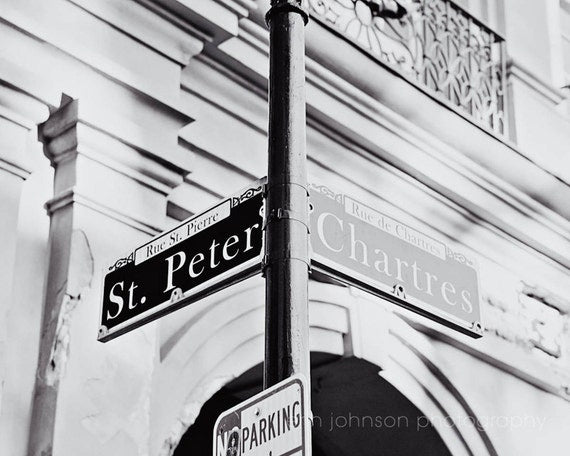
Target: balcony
436 46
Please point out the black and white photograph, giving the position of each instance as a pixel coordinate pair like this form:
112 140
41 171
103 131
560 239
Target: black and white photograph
285 227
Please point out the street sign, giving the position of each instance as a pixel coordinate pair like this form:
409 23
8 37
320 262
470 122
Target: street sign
367 249
272 423
202 255
349 241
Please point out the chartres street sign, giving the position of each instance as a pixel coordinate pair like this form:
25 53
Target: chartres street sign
272 423
365 248
200 256
349 241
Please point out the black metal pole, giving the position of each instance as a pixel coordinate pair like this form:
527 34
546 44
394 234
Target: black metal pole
287 233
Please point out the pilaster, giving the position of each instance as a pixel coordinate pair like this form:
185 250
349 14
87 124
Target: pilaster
532 50
535 72
110 194
15 167
18 114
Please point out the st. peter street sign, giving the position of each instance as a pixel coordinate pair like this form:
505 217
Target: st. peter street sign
350 241
275 422
369 250
202 255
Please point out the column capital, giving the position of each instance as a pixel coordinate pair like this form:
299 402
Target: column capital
108 165
114 167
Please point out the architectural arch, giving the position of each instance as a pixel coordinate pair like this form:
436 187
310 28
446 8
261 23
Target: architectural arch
223 336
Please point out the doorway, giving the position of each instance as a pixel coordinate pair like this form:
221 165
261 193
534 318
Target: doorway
356 412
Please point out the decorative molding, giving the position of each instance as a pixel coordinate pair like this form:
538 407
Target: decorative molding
74 32
499 190
255 35
216 19
516 69
14 169
72 196
14 117
19 106
348 93
240 7
19 113
142 21
545 296
238 106
70 131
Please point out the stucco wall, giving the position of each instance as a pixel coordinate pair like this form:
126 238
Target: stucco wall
151 111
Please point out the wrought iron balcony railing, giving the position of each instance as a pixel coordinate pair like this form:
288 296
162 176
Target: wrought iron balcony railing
435 45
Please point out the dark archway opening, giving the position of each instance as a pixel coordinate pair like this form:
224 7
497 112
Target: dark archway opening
356 412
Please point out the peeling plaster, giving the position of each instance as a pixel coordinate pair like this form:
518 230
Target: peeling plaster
75 275
60 348
81 265
80 269
190 412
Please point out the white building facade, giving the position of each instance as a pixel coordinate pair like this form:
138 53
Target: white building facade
119 118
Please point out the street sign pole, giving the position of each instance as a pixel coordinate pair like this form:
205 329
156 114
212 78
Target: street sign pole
286 264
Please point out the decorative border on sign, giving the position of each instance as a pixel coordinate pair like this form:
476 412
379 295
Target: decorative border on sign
249 193
324 190
122 262
459 257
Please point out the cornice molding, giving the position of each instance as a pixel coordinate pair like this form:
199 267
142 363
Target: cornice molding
216 19
107 173
19 108
144 21
19 113
240 7
14 169
339 89
516 69
73 196
84 47
73 128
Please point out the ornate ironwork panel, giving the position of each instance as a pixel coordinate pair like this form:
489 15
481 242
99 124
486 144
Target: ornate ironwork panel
436 45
